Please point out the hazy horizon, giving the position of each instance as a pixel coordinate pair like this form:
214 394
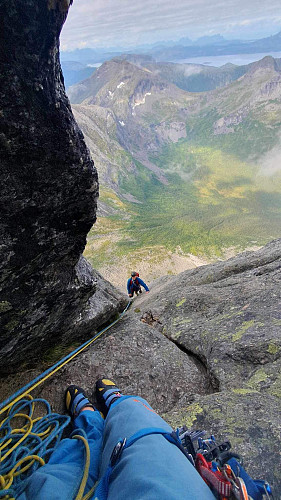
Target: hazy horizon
110 25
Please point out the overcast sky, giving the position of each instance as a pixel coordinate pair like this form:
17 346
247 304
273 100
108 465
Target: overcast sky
116 23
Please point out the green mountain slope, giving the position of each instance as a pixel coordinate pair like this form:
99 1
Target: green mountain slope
189 77
182 170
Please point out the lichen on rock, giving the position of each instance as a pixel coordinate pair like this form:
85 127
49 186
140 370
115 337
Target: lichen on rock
233 329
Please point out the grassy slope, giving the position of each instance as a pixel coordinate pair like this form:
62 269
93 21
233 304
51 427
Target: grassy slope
227 203
213 201
250 139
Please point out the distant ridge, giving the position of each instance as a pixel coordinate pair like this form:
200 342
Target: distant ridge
226 47
189 77
170 51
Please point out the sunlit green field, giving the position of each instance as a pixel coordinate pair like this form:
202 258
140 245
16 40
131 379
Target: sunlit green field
213 201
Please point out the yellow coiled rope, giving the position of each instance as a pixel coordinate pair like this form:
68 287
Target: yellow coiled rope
37 437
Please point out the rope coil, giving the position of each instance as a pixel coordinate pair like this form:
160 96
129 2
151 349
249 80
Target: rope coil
23 449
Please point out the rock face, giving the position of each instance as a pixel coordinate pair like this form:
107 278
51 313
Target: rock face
216 367
228 315
139 357
49 189
250 421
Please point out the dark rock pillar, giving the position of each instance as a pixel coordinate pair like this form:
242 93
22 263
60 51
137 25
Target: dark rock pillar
49 188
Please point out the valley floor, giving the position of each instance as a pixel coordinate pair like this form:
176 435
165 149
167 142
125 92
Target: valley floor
156 262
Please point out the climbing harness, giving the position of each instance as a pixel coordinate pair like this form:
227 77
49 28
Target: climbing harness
101 491
27 441
215 463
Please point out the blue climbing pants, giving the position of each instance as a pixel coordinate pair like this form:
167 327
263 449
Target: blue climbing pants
151 468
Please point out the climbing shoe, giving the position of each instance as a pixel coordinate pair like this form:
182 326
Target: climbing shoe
106 394
76 400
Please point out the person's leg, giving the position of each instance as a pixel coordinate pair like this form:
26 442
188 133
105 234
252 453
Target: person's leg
72 451
152 467
61 477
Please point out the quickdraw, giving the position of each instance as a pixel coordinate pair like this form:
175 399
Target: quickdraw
211 461
213 476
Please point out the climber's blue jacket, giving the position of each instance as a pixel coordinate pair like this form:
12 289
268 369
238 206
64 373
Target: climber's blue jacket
134 285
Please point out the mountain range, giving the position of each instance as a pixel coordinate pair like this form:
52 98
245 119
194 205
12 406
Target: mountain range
217 46
175 50
75 72
182 170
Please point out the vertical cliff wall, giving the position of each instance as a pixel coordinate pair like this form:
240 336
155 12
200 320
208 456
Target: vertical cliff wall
49 190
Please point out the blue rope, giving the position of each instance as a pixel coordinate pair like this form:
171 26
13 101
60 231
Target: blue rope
51 424
33 443
49 370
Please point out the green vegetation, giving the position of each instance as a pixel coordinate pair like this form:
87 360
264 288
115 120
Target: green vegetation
258 377
191 413
247 140
56 353
243 391
273 348
212 201
275 388
216 195
240 331
5 306
180 303
176 335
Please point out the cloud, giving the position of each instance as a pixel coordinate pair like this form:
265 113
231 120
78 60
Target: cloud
246 22
127 22
270 163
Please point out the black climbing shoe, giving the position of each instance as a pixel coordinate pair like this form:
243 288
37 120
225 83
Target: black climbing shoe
106 394
140 290
76 400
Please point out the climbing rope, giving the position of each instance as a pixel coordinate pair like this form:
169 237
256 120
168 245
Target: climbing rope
56 367
27 440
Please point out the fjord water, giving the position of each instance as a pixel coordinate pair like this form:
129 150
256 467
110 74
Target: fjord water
238 59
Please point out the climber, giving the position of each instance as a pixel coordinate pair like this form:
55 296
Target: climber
145 463
134 285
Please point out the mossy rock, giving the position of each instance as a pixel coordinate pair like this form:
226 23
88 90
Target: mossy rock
251 421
